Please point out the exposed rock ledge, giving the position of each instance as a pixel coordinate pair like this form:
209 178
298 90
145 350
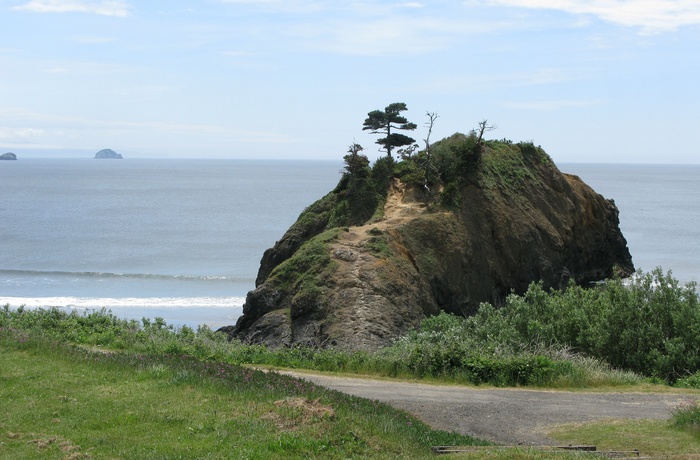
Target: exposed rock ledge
361 287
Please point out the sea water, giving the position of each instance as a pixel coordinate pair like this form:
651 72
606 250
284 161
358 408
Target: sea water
177 239
182 239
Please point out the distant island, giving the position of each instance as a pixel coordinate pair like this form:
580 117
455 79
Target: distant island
108 154
8 156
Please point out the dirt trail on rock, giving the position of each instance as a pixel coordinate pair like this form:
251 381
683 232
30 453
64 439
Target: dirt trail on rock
397 210
504 416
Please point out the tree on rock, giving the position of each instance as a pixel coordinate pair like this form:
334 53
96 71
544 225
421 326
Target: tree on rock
382 122
357 198
356 164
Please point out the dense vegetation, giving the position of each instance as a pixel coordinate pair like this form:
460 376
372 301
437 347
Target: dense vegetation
439 171
650 326
616 333
188 390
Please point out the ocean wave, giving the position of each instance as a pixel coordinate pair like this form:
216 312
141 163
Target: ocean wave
88 303
153 276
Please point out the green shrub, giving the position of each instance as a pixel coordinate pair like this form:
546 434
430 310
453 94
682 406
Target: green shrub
382 173
650 325
445 347
686 416
691 381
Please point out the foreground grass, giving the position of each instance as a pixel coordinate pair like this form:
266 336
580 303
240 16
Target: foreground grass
437 353
93 386
653 438
60 401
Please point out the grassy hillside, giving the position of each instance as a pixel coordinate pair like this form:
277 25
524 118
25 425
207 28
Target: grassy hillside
62 401
78 386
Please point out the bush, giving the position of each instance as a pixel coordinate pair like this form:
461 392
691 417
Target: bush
691 381
445 346
382 173
687 416
650 325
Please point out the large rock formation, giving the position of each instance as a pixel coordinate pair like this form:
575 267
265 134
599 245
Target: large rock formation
508 219
108 154
8 156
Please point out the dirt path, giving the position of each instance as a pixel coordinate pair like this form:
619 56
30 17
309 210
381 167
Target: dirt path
397 210
504 416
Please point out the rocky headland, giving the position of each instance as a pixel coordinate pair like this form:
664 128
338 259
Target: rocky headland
8 156
108 154
445 230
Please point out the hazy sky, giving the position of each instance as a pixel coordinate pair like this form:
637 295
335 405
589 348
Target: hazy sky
588 80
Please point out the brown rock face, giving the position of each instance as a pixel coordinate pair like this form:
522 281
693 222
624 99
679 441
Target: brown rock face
518 221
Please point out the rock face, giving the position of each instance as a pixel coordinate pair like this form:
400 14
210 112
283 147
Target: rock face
512 220
8 156
108 154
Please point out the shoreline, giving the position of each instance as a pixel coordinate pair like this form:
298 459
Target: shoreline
176 312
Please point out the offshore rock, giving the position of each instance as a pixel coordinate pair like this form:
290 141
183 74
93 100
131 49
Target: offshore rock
514 220
108 154
8 156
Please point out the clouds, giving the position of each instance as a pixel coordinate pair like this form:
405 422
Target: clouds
652 16
390 36
19 135
19 129
295 78
114 8
371 28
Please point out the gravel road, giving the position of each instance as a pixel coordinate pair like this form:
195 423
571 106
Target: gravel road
504 416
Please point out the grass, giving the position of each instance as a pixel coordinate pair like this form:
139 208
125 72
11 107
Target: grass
676 438
93 386
687 417
439 355
653 438
62 401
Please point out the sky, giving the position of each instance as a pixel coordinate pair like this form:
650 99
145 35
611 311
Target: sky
591 81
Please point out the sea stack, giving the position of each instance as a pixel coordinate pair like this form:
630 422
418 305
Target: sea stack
8 156
108 154
402 241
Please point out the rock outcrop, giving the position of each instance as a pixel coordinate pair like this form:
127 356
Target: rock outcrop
108 154
8 156
511 219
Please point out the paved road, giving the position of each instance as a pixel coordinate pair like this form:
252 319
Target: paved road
505 416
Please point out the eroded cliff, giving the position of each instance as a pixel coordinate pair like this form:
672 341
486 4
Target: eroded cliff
467 224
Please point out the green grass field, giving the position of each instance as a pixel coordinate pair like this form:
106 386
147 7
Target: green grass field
92 386
60 401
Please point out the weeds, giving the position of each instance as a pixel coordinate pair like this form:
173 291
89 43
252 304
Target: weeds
691 381
686 416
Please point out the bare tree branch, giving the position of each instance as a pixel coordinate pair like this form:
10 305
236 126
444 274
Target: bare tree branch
484 126
432 116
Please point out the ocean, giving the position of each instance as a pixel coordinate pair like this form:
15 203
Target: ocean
182 239
176 239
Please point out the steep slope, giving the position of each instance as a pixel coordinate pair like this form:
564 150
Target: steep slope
509 219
